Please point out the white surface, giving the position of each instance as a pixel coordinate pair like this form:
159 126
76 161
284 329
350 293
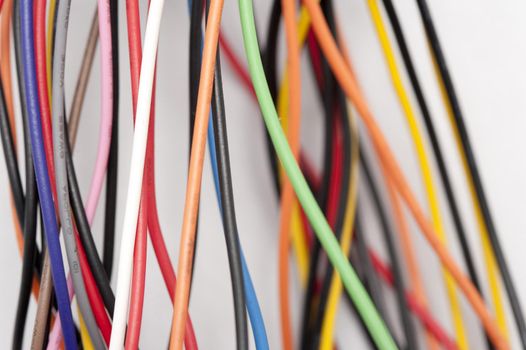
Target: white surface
485 48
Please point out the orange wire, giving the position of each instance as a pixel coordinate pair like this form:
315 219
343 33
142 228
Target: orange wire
195 171
416 285
5 71
352 91
288 199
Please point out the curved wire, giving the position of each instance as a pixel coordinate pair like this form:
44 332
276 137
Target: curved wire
287 192
194 179
423 161
322 229
61 173
252 303
350 87
486 225
136 173
43 181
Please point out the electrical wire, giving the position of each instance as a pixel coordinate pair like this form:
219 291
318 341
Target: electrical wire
29 223
156 235
435 144
108 249
43 180
420 311
40 331
348 84
287 192
83 79
136 173
219 136
351 281
335 290
472 172
194 178
63 194
424 164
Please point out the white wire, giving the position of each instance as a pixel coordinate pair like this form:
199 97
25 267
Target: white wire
136 173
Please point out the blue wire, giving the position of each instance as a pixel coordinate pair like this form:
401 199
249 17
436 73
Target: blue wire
43 182
254 311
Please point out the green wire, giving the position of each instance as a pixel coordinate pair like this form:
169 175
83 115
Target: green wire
354 287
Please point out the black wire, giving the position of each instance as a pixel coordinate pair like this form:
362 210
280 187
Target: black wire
330 95
269 66
473 169
86 237
227 203
28 225
10 157
113 159
342 207
21 89
388 237
435 144
194 77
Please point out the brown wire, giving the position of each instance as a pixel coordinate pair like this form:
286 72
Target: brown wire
43 305
83 79
46 285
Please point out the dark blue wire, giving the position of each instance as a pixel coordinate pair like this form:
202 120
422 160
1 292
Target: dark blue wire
43 182
252 304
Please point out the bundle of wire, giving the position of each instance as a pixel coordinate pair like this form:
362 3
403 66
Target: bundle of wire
321 220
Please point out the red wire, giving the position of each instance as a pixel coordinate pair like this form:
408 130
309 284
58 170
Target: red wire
163 258
381 268
39 30
95 299
138 278
236 64
418 309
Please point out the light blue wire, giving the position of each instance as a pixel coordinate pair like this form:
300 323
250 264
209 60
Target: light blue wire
254 311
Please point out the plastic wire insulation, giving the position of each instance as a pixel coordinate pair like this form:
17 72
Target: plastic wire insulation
482 210
287 194
324 232
347 82
108 250
232 240
59 139
156 235
194 176
43 180
252 303
345 240
136 173
424 164
435 144
138 279
83 79
50 37
106 107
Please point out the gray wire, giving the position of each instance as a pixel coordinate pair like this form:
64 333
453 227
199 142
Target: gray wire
59 140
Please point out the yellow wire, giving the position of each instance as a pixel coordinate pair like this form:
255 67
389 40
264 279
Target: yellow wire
49 43
84 335
487 251
297 230
336 287
425 168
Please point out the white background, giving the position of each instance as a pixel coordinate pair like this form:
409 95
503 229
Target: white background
485 46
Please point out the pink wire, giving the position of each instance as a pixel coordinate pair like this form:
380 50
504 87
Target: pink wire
103 151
